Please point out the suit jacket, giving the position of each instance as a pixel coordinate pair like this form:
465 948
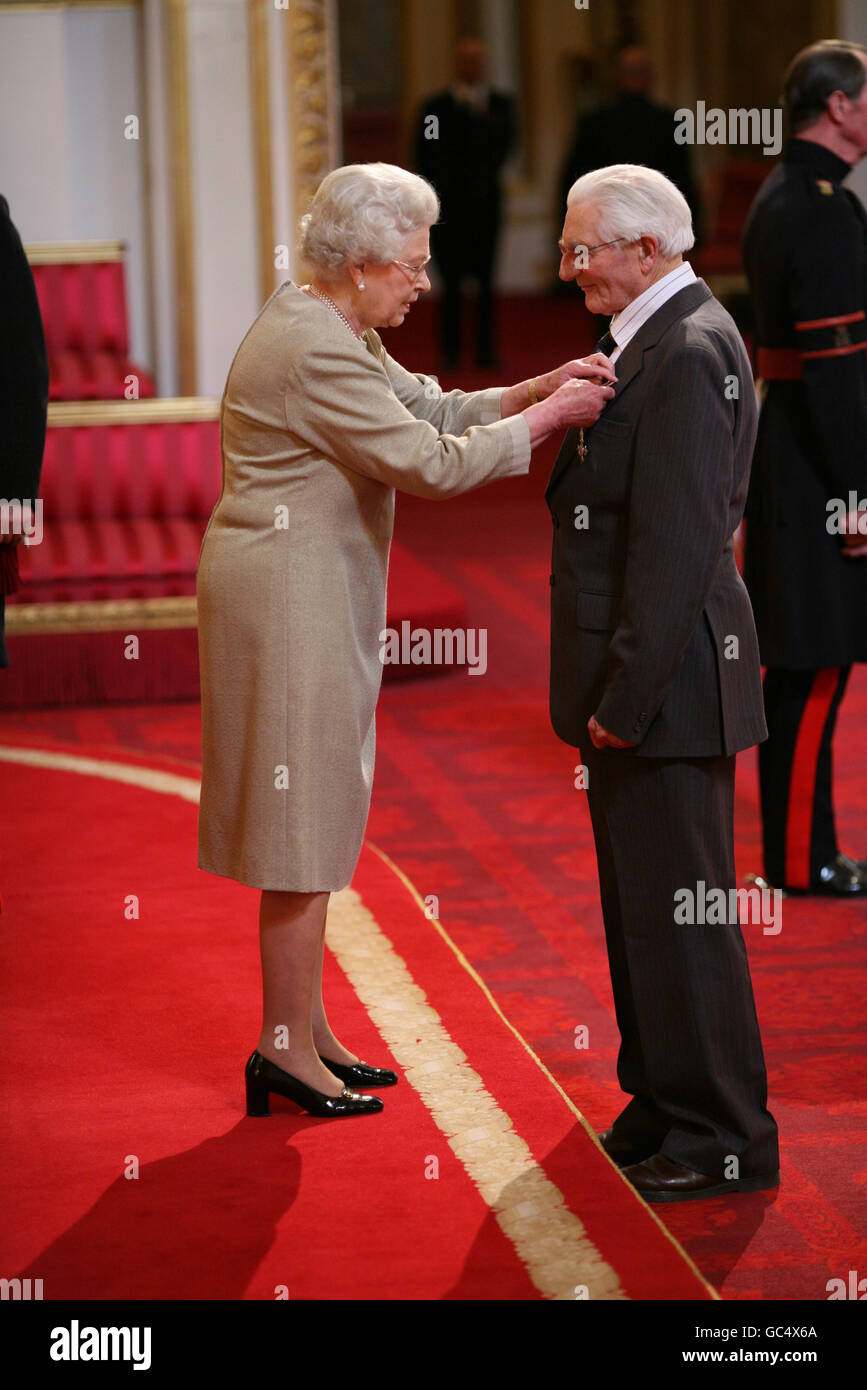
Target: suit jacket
651 625
23 394
23 369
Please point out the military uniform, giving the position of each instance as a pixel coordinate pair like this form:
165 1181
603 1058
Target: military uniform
805 253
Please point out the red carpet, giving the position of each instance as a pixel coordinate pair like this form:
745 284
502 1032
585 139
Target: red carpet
474 801
129 1169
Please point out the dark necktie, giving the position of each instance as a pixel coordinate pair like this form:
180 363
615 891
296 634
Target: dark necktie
606 344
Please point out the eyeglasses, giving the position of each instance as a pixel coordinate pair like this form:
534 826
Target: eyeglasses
579 246
415 270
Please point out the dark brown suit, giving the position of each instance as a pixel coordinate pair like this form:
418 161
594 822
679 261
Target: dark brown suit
645 602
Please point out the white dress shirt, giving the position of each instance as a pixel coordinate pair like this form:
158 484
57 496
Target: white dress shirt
625 325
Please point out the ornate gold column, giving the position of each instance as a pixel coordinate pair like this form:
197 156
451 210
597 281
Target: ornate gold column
312 65
182 199
260 84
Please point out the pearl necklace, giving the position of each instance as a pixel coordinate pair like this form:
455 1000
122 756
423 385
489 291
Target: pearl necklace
311 289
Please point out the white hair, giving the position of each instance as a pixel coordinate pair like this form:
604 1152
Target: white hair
632 201
364 212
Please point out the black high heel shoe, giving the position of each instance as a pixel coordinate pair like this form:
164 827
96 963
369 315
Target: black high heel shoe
263 1079
360 1074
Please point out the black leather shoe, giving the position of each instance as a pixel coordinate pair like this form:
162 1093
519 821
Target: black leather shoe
842 878
658 1179
264 1079
622 1151
360 1074
764 885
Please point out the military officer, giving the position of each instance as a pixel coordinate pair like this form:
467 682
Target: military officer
805 564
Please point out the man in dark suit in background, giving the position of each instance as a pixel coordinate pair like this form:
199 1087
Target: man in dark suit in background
655 677
631 129
23 399
463 138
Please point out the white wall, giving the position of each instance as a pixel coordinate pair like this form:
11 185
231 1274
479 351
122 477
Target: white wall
68 78
225 245
853 28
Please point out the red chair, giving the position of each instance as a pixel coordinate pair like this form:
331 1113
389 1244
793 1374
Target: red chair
82 297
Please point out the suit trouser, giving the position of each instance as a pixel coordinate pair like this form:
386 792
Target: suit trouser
461 255
691 1053
795 773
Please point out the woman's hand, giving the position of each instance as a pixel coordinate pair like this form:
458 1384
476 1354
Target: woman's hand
577 403
596 367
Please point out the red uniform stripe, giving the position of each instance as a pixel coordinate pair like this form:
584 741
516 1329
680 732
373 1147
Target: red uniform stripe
830 323
802 784
835 352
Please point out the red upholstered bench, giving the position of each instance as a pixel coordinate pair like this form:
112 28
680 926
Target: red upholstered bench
82 297
719 261
127 489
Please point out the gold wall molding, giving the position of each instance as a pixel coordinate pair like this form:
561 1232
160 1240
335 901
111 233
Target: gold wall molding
260 94
73 252
182 195
13 6
311 61
168 410
100 615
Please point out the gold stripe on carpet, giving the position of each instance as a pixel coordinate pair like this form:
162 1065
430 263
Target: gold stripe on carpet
470 969
551 1241
150 778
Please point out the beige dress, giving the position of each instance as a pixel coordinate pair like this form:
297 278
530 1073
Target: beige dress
318 430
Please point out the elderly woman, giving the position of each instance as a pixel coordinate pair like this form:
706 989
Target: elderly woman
319 427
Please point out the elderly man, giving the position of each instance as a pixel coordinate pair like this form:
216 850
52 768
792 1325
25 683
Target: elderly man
655 677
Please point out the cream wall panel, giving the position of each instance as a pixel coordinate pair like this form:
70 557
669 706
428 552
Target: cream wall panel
68 80
225 244
285 216
163 286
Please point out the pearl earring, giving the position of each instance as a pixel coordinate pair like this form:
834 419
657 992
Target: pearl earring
361 285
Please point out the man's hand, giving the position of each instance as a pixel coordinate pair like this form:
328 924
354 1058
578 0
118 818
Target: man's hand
855 534
601 738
